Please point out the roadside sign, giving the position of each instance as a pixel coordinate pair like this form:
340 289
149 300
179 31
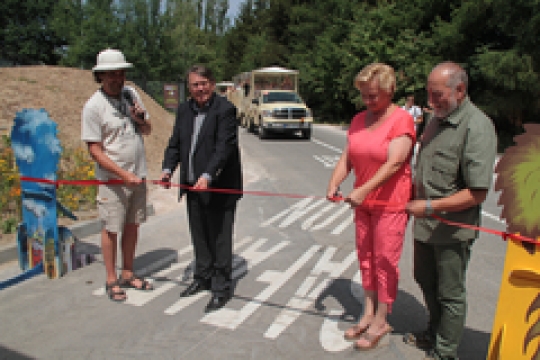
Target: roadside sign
170 96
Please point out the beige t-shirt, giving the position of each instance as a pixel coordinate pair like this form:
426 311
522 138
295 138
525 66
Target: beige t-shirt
106 120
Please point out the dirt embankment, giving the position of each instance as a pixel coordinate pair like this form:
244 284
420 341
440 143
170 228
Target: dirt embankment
63 92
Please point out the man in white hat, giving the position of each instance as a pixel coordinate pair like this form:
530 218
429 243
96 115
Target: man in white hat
113 122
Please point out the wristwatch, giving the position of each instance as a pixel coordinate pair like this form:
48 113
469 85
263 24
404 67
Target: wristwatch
429 210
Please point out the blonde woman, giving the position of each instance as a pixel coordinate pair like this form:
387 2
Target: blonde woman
379 149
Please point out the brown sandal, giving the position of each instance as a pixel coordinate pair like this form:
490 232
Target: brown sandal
372 340
115 295
355 332
128 283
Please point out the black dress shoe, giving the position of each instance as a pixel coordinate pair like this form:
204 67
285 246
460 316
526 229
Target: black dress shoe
194 288
217 302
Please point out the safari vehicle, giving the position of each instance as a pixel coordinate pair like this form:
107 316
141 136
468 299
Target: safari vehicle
271 103
224 88
240 96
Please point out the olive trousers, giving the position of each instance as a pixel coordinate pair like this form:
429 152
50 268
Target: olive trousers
440 271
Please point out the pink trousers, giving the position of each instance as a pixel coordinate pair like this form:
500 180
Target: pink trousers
379 242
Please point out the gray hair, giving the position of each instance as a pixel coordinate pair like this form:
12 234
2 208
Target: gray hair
456 74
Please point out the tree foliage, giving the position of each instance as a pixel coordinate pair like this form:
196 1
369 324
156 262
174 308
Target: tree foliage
26 37
327 41
330 41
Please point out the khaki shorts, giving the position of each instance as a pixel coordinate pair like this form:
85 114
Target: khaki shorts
120 204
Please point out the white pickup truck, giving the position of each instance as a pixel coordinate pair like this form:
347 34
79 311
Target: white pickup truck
280 111
270 103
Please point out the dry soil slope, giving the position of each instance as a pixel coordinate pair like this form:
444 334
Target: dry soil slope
62 92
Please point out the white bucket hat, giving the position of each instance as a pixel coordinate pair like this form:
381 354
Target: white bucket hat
111 59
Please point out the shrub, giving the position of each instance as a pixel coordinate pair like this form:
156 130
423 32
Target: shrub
75 164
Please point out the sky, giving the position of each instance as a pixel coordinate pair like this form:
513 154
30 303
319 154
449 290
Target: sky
234 8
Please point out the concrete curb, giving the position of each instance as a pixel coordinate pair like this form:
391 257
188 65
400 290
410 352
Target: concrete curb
80 231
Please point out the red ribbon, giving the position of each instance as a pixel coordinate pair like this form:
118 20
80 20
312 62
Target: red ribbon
502 234
72 182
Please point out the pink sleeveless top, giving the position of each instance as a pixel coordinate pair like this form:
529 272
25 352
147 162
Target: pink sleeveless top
368 150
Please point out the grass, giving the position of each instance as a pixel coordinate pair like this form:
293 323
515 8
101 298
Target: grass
30 81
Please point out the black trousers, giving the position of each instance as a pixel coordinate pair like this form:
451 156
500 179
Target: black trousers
211 235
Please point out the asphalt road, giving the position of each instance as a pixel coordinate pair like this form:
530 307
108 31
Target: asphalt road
298 283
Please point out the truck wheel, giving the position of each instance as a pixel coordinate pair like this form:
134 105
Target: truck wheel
306 134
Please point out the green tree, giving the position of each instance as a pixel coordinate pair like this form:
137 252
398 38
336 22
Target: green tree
318 57
89 27
68 16
145 38
222 21
26 36
191 43
502 63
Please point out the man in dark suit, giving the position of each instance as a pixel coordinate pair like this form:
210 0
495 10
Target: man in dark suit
205 143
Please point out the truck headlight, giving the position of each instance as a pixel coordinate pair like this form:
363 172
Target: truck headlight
267 113
309 113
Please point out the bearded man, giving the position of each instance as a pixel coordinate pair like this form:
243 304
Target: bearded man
454 171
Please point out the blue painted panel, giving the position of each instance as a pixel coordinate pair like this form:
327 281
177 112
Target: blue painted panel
37 152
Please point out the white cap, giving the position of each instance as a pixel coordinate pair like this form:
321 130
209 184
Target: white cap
111 59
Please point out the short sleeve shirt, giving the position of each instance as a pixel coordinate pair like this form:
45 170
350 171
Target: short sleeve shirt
106 120
455 153
368 151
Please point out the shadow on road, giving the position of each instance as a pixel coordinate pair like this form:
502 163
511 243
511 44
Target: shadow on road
6 353
408 314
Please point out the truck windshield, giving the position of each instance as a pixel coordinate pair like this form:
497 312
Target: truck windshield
281 97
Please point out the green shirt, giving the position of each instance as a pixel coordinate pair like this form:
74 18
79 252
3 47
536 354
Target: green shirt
456 153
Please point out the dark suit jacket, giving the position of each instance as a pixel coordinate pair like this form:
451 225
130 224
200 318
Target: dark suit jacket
216 153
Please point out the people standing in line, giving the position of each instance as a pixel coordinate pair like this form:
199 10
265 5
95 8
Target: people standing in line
114 121
379 151
453 174
414 110
205 143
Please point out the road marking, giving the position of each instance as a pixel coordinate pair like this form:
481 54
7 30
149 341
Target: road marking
138 298
330 337
231 319
321 278
301 208
339 229
185 302
328 146
343 209
321 160
253 257
308 223
294 212
329 161
301 301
